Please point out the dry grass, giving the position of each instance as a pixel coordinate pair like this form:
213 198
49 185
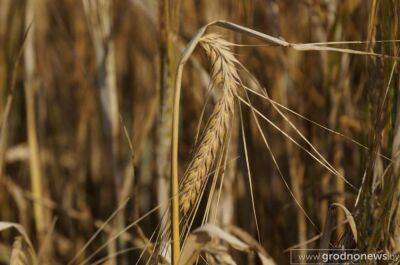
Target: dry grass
299 147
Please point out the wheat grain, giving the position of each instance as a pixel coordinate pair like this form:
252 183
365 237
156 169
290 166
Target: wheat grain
225 76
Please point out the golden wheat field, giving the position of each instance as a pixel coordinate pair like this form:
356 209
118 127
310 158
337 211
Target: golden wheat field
199 132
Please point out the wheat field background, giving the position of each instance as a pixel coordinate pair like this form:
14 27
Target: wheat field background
198 131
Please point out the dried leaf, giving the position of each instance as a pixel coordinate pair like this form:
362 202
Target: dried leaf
200 240
19 228
350 219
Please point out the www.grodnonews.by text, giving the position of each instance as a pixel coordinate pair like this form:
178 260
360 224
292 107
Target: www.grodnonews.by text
335 256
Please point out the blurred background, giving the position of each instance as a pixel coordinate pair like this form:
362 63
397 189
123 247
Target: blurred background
85 112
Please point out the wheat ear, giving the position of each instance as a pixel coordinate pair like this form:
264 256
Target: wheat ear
225 76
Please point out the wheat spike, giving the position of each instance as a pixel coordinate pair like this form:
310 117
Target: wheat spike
225 76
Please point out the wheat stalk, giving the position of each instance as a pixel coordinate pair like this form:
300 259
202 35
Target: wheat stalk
225 76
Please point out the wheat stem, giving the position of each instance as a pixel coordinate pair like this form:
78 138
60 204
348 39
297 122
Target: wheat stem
174 148
33 142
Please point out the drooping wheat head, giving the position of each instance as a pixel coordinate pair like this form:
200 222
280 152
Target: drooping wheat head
224 76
